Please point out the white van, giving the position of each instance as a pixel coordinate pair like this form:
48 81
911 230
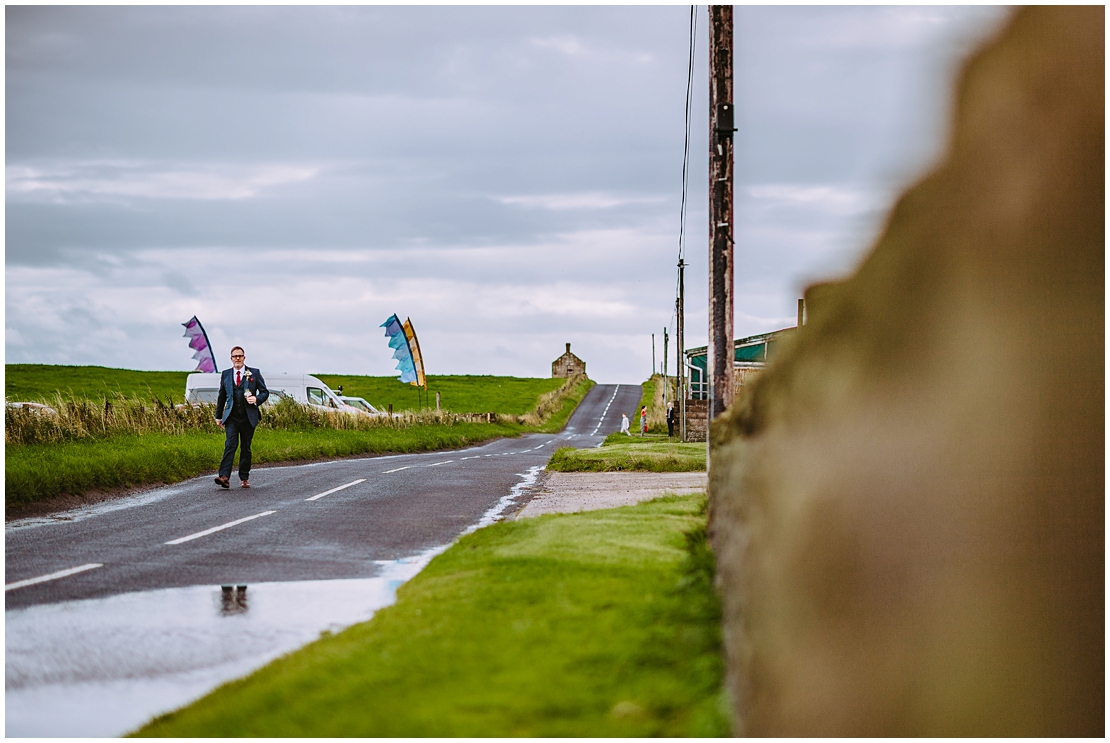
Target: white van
304 388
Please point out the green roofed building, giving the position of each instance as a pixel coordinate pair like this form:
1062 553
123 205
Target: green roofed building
749 354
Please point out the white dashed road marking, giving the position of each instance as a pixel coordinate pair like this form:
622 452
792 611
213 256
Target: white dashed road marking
341 487
603 412
53 576
449 461
221 527
396 470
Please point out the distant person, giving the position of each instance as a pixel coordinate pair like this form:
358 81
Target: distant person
624 424
670 419
242 390
643 420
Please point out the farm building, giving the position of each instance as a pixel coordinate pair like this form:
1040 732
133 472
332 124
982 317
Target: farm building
749 356
567 365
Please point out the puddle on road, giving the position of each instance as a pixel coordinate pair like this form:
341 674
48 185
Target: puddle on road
495 512
97 509
102 667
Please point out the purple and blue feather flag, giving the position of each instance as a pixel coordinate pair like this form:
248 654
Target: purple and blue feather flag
198 341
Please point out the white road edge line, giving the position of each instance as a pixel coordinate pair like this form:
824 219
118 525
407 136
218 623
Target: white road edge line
341 487
387 472
53 576
221 527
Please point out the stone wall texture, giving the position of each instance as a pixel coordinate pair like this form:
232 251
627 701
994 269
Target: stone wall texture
907 504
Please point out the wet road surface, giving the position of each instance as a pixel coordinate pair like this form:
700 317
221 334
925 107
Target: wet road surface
340 519
119 612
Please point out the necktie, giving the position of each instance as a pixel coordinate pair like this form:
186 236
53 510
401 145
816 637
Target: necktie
238 379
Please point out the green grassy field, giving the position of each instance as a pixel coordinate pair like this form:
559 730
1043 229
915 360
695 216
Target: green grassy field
43 382
602 623
458 393
620 452
40 471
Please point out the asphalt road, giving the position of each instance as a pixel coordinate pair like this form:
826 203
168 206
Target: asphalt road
324 520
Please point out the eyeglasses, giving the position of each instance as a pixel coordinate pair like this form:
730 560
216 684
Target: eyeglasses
238 356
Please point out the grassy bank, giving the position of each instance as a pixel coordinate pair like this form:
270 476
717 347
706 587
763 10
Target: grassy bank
554 409
652 399
620 452
40 471
602 623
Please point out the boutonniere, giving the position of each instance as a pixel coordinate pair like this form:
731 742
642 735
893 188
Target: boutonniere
247 374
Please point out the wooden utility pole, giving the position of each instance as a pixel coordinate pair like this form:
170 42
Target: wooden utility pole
666 381
721 127
680 340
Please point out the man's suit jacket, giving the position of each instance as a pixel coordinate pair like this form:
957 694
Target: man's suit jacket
226 400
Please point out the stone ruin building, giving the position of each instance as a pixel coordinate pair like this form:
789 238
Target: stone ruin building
567 365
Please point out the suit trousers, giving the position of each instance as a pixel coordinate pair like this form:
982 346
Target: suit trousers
239 433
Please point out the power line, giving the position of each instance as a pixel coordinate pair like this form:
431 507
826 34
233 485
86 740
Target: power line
686 145
680 289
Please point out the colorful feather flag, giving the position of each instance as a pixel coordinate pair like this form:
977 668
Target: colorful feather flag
198 341
406 349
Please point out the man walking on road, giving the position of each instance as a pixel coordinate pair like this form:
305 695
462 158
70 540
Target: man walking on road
242 390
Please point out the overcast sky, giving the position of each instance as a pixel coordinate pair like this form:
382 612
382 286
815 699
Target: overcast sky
508 177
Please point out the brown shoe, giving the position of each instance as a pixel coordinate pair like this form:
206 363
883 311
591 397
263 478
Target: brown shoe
223 482
245 484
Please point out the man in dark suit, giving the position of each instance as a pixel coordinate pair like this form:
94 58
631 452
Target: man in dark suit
242 390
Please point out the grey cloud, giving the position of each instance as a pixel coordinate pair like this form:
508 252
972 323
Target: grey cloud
502 155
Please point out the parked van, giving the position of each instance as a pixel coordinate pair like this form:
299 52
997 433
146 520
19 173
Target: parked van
304 388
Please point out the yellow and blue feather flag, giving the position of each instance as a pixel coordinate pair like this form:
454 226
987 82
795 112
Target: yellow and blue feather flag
406 349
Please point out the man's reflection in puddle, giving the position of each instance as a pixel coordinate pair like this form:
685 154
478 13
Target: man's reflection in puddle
233 600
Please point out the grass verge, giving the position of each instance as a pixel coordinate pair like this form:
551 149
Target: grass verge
602 623
36 472
620 452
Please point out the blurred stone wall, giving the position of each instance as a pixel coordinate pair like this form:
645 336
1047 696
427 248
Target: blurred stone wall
743 375
907 504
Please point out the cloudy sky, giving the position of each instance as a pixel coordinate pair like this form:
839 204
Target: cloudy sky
508 177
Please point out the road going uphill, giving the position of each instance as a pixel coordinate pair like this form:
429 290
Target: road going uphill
324 520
